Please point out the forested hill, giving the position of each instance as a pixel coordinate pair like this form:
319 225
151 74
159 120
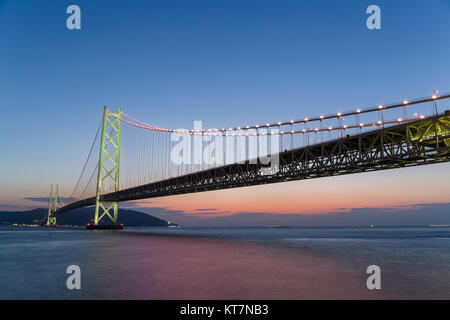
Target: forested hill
81 217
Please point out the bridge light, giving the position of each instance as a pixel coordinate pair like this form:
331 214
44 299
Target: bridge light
358 110
400 120
268 125
279 123
239 128
321 117
306 119
304 130
317 129
361 124
292 131
380 106
257 126
292 121
379 122
434 96
330 128
247 127
282 132
339 114
405 101
422 117
345 126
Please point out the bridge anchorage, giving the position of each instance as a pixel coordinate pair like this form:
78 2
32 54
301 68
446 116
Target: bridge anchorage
409 133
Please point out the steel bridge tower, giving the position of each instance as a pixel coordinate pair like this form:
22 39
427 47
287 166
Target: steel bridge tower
52 206
108 170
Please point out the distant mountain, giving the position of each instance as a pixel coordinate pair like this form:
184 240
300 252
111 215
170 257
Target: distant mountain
80 217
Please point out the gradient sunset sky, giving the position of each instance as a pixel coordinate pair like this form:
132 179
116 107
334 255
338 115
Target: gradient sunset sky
227 63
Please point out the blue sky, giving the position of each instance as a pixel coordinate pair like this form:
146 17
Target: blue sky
223 62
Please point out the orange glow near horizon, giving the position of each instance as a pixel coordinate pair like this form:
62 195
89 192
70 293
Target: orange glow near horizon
392 188
382 189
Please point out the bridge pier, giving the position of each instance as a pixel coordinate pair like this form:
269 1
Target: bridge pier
104 226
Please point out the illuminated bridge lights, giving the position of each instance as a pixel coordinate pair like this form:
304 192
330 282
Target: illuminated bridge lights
339 115
214 132
303 131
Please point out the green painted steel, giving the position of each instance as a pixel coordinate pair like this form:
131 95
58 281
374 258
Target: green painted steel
52 206
109 164
434 131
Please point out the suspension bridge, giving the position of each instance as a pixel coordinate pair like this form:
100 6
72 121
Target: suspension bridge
138 160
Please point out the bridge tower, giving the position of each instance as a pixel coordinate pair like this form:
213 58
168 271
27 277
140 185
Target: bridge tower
52 206
108 170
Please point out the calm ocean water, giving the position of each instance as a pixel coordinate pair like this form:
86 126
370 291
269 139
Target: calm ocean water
226 263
